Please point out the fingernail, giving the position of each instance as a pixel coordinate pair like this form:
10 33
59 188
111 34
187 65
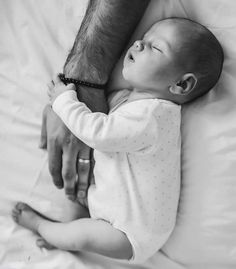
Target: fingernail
81 194
71 197
40 145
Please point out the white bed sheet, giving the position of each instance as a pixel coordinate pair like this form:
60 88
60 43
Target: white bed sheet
35 39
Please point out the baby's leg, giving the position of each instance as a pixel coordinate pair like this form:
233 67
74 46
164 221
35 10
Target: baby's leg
83 234
30 219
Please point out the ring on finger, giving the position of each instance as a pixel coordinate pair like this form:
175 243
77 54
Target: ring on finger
84 161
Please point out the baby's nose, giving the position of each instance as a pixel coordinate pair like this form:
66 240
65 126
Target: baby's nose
139 45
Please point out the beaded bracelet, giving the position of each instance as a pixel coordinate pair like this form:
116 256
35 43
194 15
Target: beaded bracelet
78 82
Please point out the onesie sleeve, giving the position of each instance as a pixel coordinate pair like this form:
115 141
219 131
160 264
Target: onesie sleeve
129 128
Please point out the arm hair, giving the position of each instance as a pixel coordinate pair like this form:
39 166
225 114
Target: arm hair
104 32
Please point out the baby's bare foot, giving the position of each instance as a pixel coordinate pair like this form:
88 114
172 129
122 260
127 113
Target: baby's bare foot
26 216
42 243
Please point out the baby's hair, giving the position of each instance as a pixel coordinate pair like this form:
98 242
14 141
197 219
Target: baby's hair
200 53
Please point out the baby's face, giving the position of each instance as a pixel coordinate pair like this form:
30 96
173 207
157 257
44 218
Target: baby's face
151 62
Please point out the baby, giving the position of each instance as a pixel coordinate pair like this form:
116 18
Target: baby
132 205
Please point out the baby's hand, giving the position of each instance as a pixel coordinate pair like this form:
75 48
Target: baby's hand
57 87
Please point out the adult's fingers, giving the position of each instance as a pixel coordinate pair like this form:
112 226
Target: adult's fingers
83 166
43 136
69 174
55 162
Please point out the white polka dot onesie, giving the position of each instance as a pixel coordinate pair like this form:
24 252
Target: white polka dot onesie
137 165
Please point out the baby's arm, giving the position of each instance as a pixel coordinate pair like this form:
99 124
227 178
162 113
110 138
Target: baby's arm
129 128
56 87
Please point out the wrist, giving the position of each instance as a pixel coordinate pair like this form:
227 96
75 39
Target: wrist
93 95
78 82
85 71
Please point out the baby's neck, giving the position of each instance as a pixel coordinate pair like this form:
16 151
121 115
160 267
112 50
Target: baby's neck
137 94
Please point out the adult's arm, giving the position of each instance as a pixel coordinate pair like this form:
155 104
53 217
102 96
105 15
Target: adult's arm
104 32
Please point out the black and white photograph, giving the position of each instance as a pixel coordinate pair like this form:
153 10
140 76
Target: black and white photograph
118 134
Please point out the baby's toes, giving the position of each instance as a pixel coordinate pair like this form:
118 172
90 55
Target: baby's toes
22 206
15 214
41 243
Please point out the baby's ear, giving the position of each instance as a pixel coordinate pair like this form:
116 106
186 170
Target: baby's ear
185 85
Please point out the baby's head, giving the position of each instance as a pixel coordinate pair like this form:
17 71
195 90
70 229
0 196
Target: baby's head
177 59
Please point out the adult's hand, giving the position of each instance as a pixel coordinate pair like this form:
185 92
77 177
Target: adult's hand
103 34
65 153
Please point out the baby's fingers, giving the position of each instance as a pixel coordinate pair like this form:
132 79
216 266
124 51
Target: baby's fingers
56 80
51 84
71 86
49 90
